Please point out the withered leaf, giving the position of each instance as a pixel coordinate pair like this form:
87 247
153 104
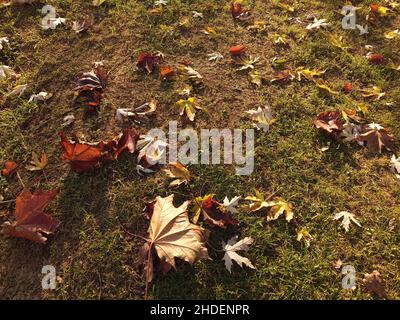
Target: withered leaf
330 122
171 235
374 284
30 220
10 167
375 137
212 212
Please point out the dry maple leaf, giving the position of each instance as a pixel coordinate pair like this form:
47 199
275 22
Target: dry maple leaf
147 62
375 137
231 249
282 76
188 106
90 86
330 122
126 141
30 220
374 284
10 167
179 172
347 219
278 206
81 155
36 163
171 235
304 235
82 24
238 12
167 73
212 212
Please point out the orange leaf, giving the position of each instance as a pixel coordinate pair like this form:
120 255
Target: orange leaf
10 167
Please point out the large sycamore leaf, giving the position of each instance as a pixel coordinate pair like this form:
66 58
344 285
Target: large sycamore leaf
171 235
231 249
375 137
30 220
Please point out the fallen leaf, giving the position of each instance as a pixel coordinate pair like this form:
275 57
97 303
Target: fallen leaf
82 156
374 284
304 235
375 137
126 141
7 72
375 58
215 56
167 73
276 207
263 117
188 107
238 50
374 92
18 91
348 218
40 97
246 63
36 163
171 236
230 205
179 172
30 220
10 167
317 23
232 247
395 166
212 212
282 76
82 25
147 62
330 122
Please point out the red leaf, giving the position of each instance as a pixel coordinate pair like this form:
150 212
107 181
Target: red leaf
237 50
30 220
82 156
374 8
10 167
147 62
348 87
126 141
236 9
376 58
213 214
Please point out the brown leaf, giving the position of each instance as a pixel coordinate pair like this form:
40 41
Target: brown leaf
82 24
171 236
374 284
82 156
330 122
282 76
147 62
10 167
30 220
376 138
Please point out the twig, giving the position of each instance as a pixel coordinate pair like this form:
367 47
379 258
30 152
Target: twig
7 201
20 180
